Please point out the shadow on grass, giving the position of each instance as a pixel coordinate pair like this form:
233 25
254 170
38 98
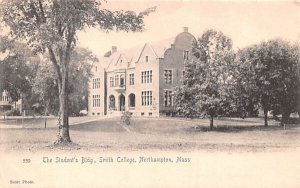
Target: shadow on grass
108 126
67 146
237 128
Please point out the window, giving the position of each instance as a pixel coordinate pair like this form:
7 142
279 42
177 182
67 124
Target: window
168 76
131 100
96 100
147 76
186 55
168 98
146 98
3 97
116 80
111 104
96 83
122 80
131 79
96 68
111 81
147 59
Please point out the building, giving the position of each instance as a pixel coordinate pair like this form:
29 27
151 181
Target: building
6 103
140 80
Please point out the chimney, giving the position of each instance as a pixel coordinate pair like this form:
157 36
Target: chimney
185 29
113 49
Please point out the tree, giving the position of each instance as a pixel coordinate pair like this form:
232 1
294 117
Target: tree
208 83
272 76
51 26
246 90
18 67
45 86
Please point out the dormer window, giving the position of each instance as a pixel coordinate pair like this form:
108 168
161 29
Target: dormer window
186 55
147 59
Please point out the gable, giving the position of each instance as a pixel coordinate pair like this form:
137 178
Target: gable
147 54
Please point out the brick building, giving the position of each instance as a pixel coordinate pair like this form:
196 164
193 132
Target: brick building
140 80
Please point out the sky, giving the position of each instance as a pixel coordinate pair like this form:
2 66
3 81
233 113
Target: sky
245 22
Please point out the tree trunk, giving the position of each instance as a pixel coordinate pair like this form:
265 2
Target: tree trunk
211 124
285 117
266 117
63 119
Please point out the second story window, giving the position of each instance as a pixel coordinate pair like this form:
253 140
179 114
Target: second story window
96 83
147 59
111 81
122 80
131 79
116 80
168 76
147 76
3 96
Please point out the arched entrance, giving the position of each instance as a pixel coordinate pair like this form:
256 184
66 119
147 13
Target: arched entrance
111 105
131 100
121 102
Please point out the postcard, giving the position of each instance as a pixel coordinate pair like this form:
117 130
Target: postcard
149 93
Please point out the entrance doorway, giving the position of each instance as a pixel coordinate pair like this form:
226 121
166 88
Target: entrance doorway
121 102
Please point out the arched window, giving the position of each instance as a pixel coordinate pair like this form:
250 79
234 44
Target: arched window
131 99
121 102
112 102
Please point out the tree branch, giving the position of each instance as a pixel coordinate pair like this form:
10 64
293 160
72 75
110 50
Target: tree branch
42 11
54 61
38 20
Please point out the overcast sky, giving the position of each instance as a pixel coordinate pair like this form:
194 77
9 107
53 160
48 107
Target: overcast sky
245 22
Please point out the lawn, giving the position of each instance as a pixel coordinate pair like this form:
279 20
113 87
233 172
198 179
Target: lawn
234 154
108 134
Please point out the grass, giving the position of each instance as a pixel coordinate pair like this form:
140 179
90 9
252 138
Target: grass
96 135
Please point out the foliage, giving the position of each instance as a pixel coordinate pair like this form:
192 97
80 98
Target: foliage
17 68
51 26
13 112
269 76
126 117
208 83
46 88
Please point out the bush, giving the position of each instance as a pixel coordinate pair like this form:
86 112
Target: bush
13 112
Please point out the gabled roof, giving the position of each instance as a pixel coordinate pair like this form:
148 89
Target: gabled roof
160 47
132 54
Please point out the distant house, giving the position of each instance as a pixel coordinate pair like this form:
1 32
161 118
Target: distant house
140 80
6 104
